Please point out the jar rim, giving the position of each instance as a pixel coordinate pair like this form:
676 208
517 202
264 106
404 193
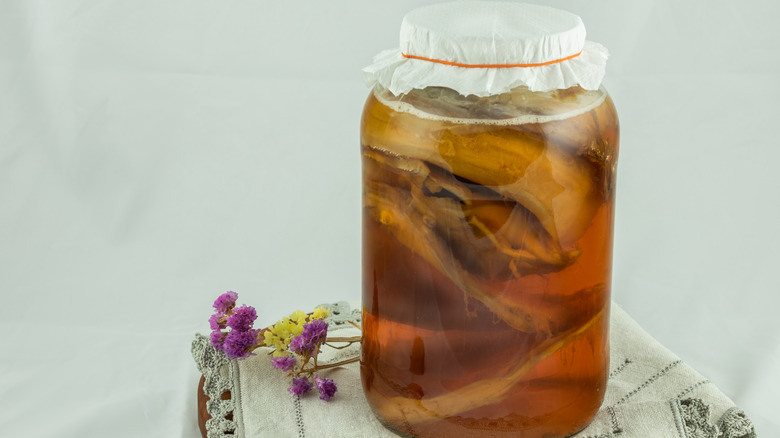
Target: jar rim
512 115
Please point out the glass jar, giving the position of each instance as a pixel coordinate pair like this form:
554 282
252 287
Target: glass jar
487 253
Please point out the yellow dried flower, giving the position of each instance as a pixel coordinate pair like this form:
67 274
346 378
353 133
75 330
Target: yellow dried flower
298 316
320 313
280 334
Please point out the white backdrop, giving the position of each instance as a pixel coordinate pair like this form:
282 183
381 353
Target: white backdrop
156 153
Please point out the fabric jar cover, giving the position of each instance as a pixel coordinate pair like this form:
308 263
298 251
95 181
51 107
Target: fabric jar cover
487 48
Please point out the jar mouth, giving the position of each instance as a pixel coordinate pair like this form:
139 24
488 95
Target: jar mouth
515 107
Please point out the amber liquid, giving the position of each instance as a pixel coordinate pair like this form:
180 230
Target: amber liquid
486 270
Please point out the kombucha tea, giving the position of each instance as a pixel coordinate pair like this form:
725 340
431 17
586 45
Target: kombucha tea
487 250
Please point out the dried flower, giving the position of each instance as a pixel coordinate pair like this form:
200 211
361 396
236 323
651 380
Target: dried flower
239 344
284 363
299 316
242 318
280 334
300 385
225 302
326 387
300 333
218 340
320 313
308 342
217 321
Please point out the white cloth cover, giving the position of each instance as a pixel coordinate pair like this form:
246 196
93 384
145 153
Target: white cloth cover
651 393
494 47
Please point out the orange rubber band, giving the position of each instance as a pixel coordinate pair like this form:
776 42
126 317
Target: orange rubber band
457 64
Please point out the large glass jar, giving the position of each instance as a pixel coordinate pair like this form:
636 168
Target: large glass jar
487 250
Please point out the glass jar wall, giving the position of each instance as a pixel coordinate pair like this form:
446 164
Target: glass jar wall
487 248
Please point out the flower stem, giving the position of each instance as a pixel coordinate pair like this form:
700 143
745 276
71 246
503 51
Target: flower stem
329 365
349 339
339 348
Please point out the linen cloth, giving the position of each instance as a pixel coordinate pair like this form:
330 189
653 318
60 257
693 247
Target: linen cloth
651 393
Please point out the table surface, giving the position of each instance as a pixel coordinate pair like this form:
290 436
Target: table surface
156 154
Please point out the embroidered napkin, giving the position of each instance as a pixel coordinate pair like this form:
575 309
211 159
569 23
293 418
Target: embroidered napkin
651 393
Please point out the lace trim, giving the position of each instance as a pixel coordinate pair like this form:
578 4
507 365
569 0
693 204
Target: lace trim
341 313
218 379
695 416
735 424
692 416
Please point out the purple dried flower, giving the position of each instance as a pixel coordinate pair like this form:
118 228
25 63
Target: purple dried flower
297 344
313 334
326 387
300 385
242 318
218 340
284 363
215 322
238 344
225 302
316 329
